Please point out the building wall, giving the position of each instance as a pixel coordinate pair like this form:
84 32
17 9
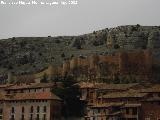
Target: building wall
55 110
27 107
151 110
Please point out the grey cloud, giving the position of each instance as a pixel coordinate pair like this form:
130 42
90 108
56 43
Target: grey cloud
85 17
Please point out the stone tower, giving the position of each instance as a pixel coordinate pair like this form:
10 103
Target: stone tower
10 77
51 72
110 41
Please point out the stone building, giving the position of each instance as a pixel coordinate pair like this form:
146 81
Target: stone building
121 101
30 102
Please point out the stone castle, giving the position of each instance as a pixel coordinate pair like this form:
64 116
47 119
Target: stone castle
137 64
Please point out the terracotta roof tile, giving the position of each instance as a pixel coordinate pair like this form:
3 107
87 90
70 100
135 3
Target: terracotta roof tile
125 94
108 105
152 89
151 99
32 96
32 85
132 105
107 86
6 85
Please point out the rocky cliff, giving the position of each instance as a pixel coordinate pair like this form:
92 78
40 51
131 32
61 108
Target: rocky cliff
32 54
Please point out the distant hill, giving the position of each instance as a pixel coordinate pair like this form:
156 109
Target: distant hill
31 54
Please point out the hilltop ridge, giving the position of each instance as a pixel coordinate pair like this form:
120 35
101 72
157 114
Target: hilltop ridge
31 54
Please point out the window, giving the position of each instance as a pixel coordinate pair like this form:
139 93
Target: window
147 118
22 109
44 109
15 91
43 89
13 110
44 117
127 110
8 92
37 117
38 109
22 117
31 109
12 117
31 117
1 114
91 101
104 111
134 111
1 111
98 110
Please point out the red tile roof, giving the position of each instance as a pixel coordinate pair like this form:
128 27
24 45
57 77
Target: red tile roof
132 105
32 86
155 88
29 96
106 86
6 85
152 99
105 105
125 94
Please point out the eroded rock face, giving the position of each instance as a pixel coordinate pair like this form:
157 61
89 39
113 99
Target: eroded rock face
133 37
154 39
46 50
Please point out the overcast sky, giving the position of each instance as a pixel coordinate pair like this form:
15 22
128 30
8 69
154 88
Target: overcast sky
87 16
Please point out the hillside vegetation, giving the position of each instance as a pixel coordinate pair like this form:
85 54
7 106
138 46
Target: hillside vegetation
31 54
